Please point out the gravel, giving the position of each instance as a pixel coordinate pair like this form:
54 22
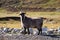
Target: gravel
26 37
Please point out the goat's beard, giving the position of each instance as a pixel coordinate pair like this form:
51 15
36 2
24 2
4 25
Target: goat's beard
21 21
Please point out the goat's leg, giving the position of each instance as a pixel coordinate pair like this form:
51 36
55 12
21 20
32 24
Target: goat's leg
28 30
24 30
39 31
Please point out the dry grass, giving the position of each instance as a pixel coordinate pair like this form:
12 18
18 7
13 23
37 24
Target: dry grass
46 4
10 24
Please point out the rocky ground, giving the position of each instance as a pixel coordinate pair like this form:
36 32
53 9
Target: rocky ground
16 34
27 37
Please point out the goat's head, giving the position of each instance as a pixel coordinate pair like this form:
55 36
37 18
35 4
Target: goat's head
22 15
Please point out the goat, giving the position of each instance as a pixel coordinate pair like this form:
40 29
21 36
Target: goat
31 23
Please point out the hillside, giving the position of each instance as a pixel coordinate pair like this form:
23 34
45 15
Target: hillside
30 3
18 4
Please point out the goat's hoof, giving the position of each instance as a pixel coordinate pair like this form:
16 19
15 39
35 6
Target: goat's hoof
28 33
24 32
